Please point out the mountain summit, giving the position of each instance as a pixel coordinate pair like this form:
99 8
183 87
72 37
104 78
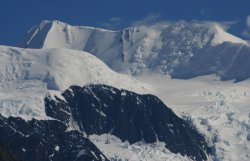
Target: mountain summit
180 49
60 103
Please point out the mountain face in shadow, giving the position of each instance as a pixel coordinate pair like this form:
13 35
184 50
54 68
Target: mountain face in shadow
44 140
100 109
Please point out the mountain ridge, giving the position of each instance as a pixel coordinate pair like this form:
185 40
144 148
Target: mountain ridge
101 109
28 75
165 48
214 27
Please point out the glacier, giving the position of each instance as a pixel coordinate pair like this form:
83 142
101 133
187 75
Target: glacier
28 75
158 55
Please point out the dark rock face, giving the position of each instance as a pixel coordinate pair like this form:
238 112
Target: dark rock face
99 109
5 155
46 140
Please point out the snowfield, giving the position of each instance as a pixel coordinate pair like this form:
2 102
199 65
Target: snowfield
23 99
219 110
116 150
28 75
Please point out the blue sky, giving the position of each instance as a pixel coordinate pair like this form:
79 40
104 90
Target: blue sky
17 16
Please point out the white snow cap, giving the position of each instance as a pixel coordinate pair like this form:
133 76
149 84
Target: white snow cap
26 75
221 36
51 34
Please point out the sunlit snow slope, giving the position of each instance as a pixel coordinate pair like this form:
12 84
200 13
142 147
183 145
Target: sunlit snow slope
181 49
134 152
219 110
26 75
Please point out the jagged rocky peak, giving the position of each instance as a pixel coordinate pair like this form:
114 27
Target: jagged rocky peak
101 109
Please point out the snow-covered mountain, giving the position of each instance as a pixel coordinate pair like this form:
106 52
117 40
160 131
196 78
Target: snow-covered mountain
28 75
100 109
181 49
218 109
31 79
